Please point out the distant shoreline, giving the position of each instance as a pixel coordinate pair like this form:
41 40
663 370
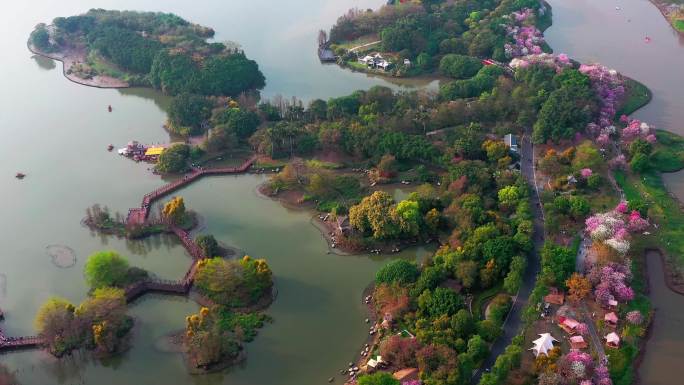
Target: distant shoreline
69 59
662 7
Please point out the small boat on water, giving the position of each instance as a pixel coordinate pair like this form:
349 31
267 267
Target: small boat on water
110 148
20 175
109 108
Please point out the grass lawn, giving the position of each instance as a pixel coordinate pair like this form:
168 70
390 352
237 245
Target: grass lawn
662 209
637 96
322 164
103 67
668 153
482 297
679 25
270 163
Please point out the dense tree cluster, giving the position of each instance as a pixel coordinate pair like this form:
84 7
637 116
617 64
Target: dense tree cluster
174 159
157 49
208 341
99 323
232 283
427 32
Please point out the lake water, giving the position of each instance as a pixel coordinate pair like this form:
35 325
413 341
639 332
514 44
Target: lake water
595 31
57 132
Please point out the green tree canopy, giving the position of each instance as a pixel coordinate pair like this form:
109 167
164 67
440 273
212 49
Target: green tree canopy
558 263
106 268
441 301
379 378
208 244
239 121
398 271
188 112
174 159
459 66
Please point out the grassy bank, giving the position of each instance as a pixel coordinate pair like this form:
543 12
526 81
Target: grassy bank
662 208
637 96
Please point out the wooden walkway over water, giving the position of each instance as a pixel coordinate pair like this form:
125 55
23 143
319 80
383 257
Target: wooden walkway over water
138 216
16 343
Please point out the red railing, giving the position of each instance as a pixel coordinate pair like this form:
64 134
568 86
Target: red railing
139 215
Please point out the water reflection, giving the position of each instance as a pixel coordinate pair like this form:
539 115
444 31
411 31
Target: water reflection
44 63
160 100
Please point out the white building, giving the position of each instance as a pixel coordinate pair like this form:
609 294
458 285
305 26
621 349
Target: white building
512 142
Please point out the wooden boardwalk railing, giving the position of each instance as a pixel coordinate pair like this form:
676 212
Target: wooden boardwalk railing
14 343
139 215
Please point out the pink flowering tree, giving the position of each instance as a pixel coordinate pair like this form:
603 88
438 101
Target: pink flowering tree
576 366
602 375
636 129
412 382
636 223
611 283
618 163
621 207
634 317
582 329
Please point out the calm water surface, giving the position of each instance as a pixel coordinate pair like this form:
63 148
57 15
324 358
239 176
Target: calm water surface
594 31
56 132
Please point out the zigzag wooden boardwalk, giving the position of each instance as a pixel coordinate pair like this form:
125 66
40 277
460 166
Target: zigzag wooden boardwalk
181 287
138 216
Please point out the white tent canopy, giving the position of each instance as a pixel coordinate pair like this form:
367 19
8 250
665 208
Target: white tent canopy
543 344
613 338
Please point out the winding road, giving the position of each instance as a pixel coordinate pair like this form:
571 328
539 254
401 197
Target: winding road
513 323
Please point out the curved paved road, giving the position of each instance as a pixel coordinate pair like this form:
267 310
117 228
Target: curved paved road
513 323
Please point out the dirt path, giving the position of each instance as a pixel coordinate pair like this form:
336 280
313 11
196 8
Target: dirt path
365 45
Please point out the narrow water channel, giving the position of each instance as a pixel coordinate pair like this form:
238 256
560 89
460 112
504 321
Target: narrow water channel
663 359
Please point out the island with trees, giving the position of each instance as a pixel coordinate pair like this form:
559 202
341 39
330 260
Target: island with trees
106 48
233 294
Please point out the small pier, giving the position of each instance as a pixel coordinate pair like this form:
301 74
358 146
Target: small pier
326 55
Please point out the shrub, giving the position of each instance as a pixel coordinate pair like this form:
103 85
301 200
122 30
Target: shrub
106 268
379 378
209 245
399 271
